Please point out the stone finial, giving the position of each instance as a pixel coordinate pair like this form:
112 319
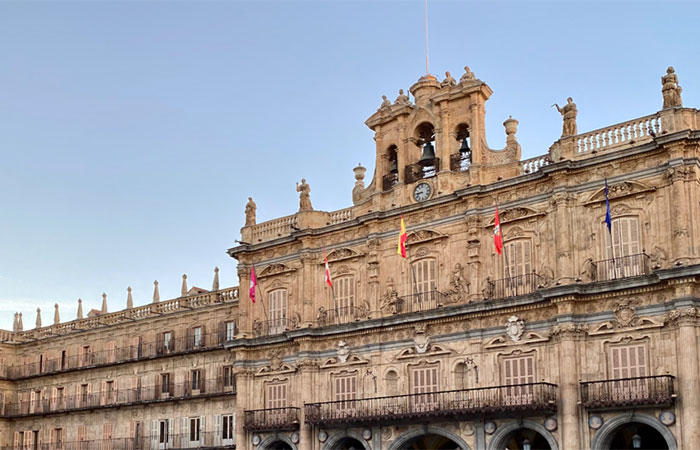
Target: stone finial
250 211
671 90
103 310
183 290
38 317
215 284
56 315
156 294
20 325
511 126
15 324
129 299
80 309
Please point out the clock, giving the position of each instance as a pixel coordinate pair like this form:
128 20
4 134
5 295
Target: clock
422 192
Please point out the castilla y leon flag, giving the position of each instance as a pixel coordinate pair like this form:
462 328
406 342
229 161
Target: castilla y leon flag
497 234
401 249
329 281
253 284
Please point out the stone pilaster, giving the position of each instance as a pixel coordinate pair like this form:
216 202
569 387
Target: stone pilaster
688 383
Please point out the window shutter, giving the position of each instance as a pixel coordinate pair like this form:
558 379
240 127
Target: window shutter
185 436
189 339
202 429
103 392
204 336
171 425
222 332
217 430
16 444
202 380
154 434
54 395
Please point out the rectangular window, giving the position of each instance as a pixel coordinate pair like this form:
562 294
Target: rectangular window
110 392
107 437
57 438
345 389
519 374
627 364
194 429
60 402
230 330
519 259
229 377
228 429
35 439
625 240
424 381
163 427
276 398
196 380
85 356
426 276
63 360
197 337
278 311
168 341
111 352
345 297
84 393
82 437
165 383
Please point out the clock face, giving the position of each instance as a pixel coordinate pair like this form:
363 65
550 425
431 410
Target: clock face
422 192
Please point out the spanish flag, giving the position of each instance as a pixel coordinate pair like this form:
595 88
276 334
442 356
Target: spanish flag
401 250
497 233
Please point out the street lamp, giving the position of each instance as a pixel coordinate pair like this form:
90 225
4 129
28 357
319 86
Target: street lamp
636 441
526 445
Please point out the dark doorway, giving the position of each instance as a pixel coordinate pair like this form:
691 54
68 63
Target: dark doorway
279 445
430 442
638 436
349 443
522 438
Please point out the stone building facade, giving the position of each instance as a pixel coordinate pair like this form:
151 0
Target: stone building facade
577 336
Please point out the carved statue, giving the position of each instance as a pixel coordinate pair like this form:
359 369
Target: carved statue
569 112
257 327
402 99
385 103
468 76
322 317
588 273
250 209
448 81
459 286
304 196
671 90
390 300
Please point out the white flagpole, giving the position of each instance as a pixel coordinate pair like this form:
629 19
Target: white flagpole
427 65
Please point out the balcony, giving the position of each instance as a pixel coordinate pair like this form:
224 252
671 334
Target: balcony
421 301
418 171
337 316
272 419
513 286
460 162
174 442
146 350
621 267
521 399
628 392
119 397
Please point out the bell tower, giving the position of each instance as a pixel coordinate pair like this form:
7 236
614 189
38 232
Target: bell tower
439 140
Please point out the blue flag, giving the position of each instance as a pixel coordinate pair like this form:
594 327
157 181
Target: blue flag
608 219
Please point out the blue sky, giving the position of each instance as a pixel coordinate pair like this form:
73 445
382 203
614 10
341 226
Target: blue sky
132 133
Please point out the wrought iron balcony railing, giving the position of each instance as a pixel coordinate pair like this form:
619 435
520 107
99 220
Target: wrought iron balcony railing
192 439
415 172
389 181
513 286
272 419
163 392
621 267
460 162
627 392
531 398
420 301
145 350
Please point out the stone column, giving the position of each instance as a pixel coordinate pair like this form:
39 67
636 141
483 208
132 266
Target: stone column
305 285
687 376
562 231
307 370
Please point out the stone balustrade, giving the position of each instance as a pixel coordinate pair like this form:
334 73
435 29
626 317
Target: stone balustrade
126 315
270 230
342 215
616 137
534 164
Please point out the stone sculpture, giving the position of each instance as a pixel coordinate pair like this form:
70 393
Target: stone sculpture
671 90
569 113
304 196
459 287
402 99
385 103
448 81
468 76
250 210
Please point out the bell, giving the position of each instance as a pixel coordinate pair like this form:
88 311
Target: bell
428 155
465 146
394 166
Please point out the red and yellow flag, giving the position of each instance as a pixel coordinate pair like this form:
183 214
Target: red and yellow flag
401 249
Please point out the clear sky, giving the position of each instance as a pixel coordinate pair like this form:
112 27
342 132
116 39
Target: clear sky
132 133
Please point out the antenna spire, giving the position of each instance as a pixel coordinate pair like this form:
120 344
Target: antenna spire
427 65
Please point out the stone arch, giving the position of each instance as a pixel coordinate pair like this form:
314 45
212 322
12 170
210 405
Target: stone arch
499 438
603 438
334 440
412 434
266 443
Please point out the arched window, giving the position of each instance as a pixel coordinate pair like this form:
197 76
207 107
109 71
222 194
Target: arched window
344 288
391 381
391 178
278 311
462 159
460 374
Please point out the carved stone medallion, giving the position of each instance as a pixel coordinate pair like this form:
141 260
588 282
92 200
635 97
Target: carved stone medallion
515 328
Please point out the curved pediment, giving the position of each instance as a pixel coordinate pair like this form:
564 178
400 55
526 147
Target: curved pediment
618 190
352 360
342 254
282 368
433 350
514 215
422 236
275 269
